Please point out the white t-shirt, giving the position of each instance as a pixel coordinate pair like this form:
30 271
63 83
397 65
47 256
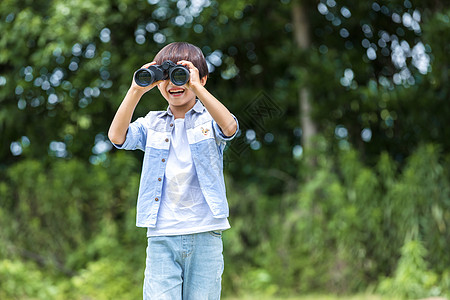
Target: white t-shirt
183 208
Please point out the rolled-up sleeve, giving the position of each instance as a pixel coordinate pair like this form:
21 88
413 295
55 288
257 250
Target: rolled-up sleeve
136 136
219 134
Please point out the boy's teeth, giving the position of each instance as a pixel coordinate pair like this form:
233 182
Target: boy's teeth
176 91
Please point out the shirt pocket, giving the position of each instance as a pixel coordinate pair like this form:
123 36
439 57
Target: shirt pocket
158 139
200 133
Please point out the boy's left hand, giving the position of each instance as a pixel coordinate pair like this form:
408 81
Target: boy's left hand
194 79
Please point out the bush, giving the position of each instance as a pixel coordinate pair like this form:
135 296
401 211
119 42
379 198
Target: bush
105 279
23 280
345 227
412 279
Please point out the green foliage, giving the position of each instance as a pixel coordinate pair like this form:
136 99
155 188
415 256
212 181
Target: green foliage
77 222
69 204
412 279
67 66
339 232
366 208
343 229
105 279
21 280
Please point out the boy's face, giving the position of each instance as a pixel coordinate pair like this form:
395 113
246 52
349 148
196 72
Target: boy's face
177 96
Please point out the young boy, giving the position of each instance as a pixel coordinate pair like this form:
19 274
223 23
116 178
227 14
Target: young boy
182 197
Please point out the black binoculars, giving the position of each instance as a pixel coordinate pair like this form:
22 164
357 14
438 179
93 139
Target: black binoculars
178 74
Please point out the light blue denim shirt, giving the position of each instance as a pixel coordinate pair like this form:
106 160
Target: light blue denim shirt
152 134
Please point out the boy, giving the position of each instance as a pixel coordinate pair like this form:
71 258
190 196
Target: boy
182 197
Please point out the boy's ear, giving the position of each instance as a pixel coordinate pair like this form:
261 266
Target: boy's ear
203 80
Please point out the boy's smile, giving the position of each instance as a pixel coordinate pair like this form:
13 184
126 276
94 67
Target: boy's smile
180 98
176 91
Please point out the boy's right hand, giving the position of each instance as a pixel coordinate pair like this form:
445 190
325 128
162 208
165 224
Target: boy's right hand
118 130
144 89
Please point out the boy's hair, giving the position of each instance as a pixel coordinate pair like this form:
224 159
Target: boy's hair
183 51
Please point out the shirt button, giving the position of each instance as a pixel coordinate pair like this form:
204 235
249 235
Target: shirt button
171 124
163 160
166 140
156 199
159 179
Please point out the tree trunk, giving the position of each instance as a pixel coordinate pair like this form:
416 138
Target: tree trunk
302 38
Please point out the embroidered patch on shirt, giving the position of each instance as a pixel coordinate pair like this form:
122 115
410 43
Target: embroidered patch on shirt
205 131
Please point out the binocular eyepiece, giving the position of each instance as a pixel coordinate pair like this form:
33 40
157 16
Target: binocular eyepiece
178 74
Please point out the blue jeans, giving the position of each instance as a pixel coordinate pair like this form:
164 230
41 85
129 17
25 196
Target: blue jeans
187 267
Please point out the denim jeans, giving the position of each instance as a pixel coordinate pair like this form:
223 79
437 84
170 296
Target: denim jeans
187 267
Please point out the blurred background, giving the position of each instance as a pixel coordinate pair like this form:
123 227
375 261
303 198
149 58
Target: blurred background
338 181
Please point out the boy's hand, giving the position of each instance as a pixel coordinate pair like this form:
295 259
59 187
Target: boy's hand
144 89
194 79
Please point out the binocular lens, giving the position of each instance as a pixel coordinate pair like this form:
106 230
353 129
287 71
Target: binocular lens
179 76
144 77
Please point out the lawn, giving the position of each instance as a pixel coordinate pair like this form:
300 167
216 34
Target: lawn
312 297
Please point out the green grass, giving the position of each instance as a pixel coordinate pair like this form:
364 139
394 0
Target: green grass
312 297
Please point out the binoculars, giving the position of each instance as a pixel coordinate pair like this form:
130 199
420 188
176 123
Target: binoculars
178 74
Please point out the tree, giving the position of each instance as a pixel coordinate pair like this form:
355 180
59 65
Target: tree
303 40
375 76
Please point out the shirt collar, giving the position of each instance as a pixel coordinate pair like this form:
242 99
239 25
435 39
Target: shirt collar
168 112
198 107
